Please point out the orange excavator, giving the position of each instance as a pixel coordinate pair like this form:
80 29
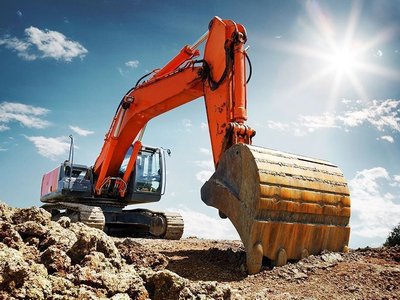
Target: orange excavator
284 206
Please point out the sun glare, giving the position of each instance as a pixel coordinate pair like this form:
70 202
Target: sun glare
339 54
343 60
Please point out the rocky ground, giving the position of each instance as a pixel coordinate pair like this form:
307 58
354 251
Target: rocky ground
42 259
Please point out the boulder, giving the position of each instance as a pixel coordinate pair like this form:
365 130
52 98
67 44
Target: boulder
9 236
97 271
90 240
168 285
55 260
31 229
58 236
6 212
35 214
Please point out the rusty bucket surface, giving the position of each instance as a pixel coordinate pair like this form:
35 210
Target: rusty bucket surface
283 206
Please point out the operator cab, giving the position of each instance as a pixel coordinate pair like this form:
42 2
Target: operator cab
147 183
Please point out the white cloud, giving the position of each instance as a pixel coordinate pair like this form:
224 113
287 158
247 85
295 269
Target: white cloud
278 126
387 138
353 118
27 115
186 123
383 115
129 65
44 44
396 181
80 131
3 149
205 151
54 44
215 229
132 64
21 47
203 175
3 127
375 211
312 123
120 71
205 164
346 101
203 126
51 148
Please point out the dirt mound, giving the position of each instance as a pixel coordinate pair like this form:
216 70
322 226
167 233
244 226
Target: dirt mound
387 253
361 274
136 254
42 259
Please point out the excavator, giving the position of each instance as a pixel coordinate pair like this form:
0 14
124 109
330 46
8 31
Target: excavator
284 206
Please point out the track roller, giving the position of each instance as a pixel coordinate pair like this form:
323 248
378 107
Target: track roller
167 226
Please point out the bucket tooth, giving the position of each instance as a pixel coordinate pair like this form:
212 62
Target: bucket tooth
283 206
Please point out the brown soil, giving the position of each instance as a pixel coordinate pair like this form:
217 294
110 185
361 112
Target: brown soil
43 259
369 273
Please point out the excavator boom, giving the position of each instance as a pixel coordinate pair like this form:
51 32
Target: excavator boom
220 78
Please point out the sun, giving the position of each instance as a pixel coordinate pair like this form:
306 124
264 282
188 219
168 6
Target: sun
343 60
339 54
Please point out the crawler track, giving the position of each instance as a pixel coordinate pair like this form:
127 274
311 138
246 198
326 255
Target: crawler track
90 215
93 216
174 226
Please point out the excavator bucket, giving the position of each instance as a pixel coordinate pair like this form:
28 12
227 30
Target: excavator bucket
284 206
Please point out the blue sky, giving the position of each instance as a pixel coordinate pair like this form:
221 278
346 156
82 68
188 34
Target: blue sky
326 84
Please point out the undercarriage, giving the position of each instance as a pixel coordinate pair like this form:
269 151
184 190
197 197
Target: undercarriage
116 221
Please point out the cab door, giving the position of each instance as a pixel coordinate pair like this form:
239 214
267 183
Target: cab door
147 183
